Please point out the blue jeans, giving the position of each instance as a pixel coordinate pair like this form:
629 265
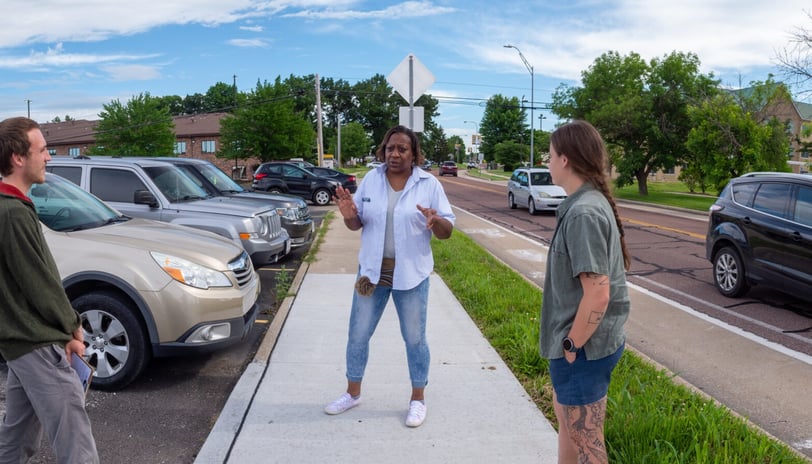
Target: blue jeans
366 312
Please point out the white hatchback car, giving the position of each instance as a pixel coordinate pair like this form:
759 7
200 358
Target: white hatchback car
533 188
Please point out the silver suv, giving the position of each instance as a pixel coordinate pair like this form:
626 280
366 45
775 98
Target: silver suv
293 210
155 190
143 288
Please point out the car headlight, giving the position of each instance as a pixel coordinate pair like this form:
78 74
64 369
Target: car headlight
189 273
543 195
288 213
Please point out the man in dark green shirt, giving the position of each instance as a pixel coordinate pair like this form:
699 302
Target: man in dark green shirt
39 330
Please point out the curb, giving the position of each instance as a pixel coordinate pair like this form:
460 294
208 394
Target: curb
217 447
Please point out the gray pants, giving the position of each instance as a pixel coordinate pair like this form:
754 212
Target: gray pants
44 393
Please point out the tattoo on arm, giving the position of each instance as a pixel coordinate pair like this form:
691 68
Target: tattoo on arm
595 317
598 279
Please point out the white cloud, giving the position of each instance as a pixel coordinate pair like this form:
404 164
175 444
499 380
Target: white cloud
261 43
134 72
252 28
56 57
409 9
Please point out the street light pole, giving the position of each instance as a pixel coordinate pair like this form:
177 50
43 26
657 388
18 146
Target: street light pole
532 103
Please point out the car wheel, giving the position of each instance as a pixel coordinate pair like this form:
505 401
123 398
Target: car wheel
511 201
455 174
728 273
531 207
321 197
115 342
275 190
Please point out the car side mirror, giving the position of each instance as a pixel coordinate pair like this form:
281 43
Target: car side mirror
145 197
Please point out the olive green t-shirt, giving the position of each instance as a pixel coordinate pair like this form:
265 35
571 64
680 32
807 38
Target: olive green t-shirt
586 239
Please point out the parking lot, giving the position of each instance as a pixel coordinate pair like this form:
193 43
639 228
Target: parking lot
166 414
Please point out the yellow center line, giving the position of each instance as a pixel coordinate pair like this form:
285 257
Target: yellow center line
669 229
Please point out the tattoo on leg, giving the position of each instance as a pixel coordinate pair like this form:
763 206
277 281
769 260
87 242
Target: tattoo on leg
586 431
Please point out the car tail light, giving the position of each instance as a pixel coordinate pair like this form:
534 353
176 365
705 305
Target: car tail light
351 179
260 175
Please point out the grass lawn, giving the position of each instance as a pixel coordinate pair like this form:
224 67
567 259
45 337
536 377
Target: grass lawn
650 418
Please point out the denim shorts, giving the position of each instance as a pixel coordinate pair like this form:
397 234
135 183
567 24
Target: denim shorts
582 382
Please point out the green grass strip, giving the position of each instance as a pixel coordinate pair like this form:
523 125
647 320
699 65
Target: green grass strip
650 418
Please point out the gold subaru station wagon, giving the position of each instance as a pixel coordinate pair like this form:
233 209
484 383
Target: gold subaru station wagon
143 288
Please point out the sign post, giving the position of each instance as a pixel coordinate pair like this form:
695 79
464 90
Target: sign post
411 79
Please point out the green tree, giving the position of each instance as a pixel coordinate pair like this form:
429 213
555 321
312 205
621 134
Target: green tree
194 104
376 106
639 107
726 142
220 97
455 146
355 142
172 103
510 154
267 127
142 127
502 121
435 144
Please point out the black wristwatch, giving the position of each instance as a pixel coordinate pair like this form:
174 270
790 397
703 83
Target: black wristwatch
569 345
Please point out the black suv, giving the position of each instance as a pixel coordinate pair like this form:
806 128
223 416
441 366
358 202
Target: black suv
285 177
760 232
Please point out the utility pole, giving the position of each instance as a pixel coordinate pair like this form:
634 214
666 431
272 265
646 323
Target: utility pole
319 142
338 143
28 102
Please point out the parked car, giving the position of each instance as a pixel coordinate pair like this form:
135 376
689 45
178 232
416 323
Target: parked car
760 233
348 181
426 166
374 164
292 210
143 288
284 177
156 190
448 168
301 163
472 165
533 188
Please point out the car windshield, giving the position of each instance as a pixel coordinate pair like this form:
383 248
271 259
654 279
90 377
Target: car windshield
218 178
63 206
175 184
541 178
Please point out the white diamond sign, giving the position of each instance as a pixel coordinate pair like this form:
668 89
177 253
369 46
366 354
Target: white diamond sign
410 79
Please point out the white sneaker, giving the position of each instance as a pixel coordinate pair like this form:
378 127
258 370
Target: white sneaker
343 403
417 414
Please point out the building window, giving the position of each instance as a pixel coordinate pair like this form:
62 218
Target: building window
180 148
207 146
804 154
52 151
73 152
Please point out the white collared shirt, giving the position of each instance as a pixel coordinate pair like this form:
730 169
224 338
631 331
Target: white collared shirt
413 258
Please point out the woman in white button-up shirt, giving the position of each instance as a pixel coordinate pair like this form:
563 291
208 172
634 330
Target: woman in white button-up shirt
398 207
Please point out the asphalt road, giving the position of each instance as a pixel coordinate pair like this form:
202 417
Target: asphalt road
165 416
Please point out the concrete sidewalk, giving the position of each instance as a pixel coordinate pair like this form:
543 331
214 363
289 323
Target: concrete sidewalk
477 410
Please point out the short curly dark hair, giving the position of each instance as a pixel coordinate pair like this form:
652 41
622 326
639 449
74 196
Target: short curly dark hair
417 160
14 139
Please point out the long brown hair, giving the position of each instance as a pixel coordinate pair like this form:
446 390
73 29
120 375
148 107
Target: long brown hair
587 157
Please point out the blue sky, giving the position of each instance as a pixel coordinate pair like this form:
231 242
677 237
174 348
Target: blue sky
69 57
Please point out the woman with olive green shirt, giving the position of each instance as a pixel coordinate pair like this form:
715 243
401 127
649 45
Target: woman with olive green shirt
586 301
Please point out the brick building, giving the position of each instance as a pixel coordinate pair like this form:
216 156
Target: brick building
197 136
